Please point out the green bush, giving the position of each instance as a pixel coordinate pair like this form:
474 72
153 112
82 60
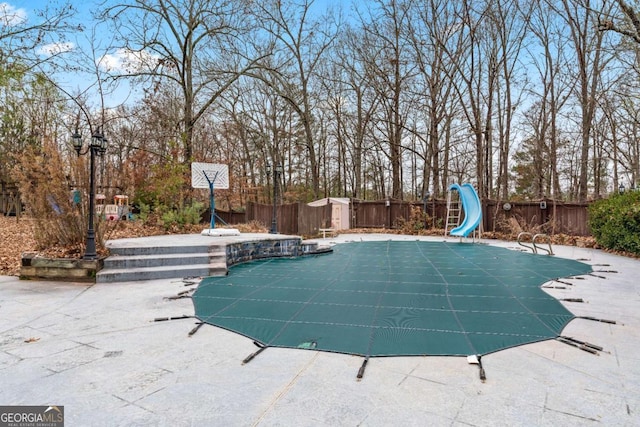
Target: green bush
145 211
165 188
615 222
172 217
183 215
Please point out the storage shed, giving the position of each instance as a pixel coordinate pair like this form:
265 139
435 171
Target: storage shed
339 211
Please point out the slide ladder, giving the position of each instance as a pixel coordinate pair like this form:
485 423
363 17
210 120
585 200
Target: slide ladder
471 207
453 212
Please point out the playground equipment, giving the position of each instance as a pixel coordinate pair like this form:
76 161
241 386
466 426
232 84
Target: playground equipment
468 198
100 201
118 210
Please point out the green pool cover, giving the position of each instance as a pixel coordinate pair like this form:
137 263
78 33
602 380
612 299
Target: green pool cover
392 298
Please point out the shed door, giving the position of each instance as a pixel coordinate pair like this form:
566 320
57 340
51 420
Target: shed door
336 216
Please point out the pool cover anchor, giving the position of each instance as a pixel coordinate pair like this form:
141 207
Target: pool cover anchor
572 300
250 357
595 319
476 359
164 319
553 287
180 295
582 345
195 329
563 282
362 368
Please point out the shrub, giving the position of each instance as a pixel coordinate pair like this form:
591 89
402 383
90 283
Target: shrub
181 216
44 189
418 221
164 188
615 222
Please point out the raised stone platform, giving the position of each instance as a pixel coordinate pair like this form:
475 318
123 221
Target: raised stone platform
192 255
170 256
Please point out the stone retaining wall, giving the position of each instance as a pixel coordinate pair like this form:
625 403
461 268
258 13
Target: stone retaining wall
67 269
259 249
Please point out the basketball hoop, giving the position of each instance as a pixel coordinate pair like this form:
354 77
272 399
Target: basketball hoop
212 176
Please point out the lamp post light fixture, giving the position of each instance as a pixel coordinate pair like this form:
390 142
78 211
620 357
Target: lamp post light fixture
621 189
277 171
97 146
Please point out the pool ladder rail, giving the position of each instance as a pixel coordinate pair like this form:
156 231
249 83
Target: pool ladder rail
534 242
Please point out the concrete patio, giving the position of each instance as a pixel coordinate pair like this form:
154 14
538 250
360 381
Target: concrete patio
96 350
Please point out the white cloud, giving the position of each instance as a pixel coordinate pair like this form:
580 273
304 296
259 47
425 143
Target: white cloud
128 61
56 48
10 16
111 62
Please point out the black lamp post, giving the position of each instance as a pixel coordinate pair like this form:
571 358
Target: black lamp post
277 171
97 146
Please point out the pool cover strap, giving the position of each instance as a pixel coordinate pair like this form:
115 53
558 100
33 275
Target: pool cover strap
250 357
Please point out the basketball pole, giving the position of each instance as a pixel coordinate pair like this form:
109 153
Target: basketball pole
212 202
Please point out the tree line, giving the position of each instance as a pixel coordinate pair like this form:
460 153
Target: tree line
370 100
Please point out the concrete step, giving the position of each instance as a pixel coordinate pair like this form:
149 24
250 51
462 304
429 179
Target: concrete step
164 272
165 250
162 260
167 261
175 257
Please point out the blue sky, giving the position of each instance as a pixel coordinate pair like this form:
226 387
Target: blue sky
72 82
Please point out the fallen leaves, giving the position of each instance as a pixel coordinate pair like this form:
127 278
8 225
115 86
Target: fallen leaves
16 237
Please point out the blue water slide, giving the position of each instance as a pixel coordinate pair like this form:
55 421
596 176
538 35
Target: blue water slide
472 209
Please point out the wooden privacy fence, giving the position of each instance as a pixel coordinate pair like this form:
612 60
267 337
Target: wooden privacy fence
293 218
299 218
553 218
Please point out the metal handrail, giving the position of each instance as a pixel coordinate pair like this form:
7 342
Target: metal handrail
530 236
543 236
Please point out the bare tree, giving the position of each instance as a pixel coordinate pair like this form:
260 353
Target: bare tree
509 22
591 59
22 36
25 37
476 68
198 45
300 41
391 68
629 25
549 91
433 28
355 105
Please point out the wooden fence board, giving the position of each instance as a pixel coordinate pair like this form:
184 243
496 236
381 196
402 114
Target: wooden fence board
311 219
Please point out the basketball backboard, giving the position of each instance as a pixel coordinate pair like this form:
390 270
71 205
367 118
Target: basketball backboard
202 174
